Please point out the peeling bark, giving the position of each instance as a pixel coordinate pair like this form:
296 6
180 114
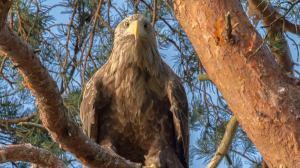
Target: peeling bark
52 111
29 153
264 100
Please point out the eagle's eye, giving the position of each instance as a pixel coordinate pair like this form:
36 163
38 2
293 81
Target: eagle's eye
146 26
126 24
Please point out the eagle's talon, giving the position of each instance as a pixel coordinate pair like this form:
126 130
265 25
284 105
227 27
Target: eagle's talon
153 165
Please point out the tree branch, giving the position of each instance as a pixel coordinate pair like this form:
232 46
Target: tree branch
225 143
29 153
203 77
17 120
275 31
1 74
262 97
154 12
52 111
29 124
270 14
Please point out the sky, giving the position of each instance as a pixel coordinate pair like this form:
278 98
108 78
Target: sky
63 18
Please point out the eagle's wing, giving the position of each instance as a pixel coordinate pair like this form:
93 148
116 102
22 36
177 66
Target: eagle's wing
94 100
179 108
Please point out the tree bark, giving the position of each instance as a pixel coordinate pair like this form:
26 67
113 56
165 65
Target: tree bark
29 153
52 111
264 100
267 10
268 13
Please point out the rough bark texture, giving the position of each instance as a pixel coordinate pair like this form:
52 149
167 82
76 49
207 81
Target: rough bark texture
29 153
52 111
264 100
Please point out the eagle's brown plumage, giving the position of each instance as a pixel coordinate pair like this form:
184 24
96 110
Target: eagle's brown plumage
135 105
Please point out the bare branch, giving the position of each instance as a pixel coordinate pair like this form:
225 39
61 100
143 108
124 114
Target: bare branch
154 12
17 120
29 153
97 14
225 143
203 77
1 74
30 124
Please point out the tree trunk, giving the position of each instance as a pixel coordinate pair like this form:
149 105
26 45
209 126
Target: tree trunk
264 100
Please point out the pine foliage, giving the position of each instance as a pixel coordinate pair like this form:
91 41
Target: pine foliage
61 34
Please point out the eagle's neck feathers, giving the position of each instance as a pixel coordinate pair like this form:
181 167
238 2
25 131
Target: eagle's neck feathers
135 67
140 53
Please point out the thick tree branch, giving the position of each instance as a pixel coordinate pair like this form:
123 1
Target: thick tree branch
52 111
29 153
262 97
275 30
270 14
225 143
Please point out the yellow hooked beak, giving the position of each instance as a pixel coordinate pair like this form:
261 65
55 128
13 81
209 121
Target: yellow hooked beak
134 28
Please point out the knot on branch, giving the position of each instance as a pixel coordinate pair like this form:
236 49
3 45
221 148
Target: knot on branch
231 39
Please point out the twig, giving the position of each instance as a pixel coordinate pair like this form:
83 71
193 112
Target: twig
228 159
231 39
237 152
203 77
270 13
30 124
154 12
35 19
111 31
228 27
17 120
261 45
91 43
169 6
4 77
283 16
136 6
68 35
11 16
297 72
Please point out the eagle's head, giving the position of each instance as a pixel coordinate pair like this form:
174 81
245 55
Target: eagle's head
135 29
135 44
